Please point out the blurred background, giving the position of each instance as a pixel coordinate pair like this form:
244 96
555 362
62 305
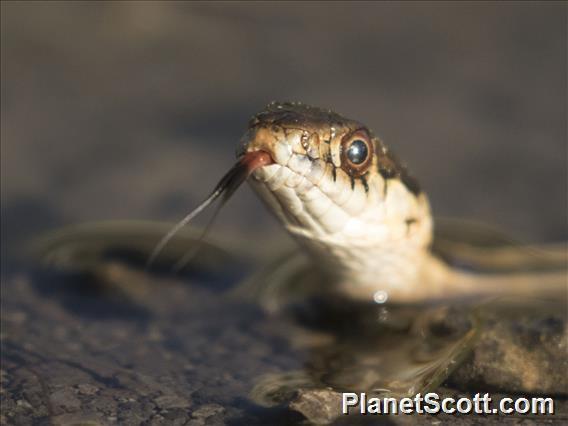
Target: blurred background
133 110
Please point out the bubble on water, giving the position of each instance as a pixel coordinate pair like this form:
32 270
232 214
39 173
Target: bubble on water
380 296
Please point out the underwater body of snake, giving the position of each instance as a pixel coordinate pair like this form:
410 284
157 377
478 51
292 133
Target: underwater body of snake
363 219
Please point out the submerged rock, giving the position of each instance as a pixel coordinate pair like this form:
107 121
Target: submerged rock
521 355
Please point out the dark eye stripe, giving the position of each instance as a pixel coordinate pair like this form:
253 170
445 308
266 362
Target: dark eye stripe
389 168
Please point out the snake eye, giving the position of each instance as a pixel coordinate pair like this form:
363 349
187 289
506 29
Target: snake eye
356 152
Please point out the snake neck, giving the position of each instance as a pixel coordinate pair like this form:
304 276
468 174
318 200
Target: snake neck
375 242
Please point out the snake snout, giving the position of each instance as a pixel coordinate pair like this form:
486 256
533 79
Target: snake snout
270 140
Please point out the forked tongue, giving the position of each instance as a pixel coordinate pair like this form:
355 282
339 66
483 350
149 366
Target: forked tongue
226 187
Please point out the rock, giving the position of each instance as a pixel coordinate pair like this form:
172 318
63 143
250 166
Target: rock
24 403
207 410
320 406
87 389
172 401
64 400
205 414
524 355
83 419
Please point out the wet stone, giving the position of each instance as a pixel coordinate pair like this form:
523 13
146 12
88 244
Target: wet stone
207 414
64 400
83 419
176 416
24 404
318 406
87 389
207 410
134 414
167 402
524 355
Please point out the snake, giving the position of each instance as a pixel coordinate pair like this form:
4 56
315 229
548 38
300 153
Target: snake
367 239
363 219
360 216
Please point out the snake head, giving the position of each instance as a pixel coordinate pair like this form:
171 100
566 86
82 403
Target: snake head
334 185
337 189
285 129
318 151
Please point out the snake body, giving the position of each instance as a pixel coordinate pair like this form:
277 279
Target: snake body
355 209
342 194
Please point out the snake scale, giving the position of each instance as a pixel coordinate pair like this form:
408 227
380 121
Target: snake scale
364 220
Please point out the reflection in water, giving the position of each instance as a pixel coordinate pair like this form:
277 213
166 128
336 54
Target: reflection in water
378 349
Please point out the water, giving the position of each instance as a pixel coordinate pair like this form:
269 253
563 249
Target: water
246 351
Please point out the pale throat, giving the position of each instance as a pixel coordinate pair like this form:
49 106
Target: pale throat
381 245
